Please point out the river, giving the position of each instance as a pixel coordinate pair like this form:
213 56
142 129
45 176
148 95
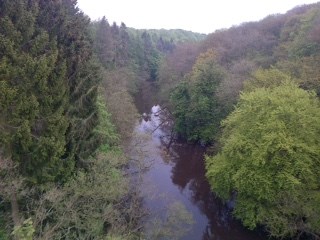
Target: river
174 187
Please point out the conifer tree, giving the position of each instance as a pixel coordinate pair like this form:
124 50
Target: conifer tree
103 43
48 88
33 93
71 28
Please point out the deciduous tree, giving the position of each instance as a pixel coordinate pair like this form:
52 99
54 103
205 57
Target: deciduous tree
197 110
270 160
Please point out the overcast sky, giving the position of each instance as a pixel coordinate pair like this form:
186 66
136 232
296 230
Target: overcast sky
202 16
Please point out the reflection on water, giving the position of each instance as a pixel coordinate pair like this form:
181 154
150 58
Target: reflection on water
178 175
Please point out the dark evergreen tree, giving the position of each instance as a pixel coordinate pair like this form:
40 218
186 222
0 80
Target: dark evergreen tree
151 56
123 49
48 87
33 94
71 28
103 43
197 109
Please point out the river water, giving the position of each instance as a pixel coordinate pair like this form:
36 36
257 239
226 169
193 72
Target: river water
175 190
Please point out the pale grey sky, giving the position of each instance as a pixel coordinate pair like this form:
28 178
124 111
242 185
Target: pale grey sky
202 16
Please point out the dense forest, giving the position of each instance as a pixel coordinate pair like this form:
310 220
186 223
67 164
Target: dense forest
249 94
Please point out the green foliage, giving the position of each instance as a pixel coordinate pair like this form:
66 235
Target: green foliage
3 235
127 58
310 73
99 189
151 56
92 204
103 43
65 23
174 35
48 88
25 231
119 47
266 79
303 43
3 232
306 71
89 206
270 159
105 129
173 69
34 91
197 111
116 86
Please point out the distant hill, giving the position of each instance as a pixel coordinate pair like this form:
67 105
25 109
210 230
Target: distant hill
290 42
174 35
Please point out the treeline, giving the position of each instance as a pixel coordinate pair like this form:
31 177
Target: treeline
175 36
142 50
253 91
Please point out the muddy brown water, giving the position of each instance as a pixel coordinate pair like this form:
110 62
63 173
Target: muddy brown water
178 175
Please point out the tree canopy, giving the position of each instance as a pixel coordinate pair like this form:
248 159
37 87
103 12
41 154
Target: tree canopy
197 110
271 160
